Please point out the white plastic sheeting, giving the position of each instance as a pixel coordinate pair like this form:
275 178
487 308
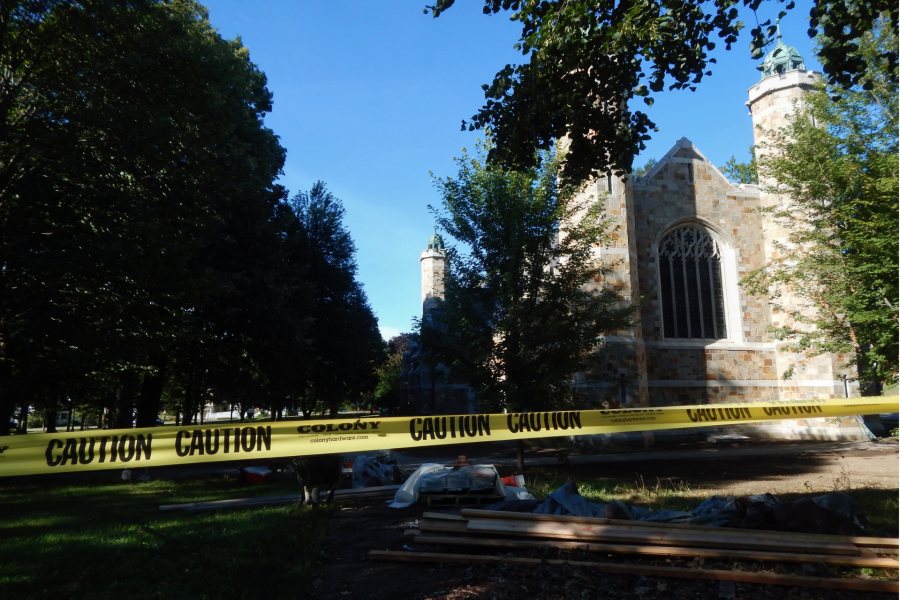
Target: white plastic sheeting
437 477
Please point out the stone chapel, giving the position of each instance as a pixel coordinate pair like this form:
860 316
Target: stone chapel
685 238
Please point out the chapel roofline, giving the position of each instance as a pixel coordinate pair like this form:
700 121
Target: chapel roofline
683 144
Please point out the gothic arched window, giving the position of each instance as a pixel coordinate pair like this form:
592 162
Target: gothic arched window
690 277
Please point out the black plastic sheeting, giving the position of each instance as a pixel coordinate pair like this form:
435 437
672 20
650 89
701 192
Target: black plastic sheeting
834 513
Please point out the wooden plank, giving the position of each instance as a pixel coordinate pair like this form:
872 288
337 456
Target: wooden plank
444 516
457 499
705 538
442 526
594 532
861 585
516 544
810 541
862 541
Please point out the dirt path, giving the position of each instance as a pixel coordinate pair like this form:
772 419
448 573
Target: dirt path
346 571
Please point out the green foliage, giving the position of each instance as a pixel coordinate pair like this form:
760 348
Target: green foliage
586 60
389 393
837 162
344 331
389 384
738 172
132 133
147 255
648 166
840 28
519 319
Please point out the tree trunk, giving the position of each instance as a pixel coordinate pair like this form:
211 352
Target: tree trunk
125 393
70 422
7 406
23 419
187 405
151 392
50 419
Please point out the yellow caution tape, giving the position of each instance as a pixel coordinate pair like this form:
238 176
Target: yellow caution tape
34 454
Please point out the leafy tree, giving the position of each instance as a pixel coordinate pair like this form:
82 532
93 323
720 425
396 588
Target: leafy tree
519 319
738 172
837 164
389 392
586 60
131 138
347 346
145 253
648 166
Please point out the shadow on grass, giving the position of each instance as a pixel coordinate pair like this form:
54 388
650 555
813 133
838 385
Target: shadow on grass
110 541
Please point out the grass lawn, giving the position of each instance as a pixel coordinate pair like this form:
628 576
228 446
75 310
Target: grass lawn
112 541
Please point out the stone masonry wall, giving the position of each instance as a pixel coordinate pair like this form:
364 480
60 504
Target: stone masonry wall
686 187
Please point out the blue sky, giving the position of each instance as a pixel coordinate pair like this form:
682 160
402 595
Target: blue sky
369 96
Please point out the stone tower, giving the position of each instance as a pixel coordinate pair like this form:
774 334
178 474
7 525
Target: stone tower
432 262
784 84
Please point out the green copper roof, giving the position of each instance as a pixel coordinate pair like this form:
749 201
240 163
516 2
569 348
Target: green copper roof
435 242
781 59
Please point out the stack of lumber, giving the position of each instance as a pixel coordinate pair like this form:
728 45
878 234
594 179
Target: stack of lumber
517 534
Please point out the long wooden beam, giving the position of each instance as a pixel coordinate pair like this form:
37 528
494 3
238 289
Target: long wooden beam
442 516
876 562
608 533
862 585
861 541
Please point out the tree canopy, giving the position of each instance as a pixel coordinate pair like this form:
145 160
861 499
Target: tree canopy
741 172
146 253
586 60
836 164
344 330
519 319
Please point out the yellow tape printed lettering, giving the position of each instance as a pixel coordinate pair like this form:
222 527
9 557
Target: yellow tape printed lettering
439 428
83 451
551 421
230 440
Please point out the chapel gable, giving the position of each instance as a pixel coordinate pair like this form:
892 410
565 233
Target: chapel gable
683 162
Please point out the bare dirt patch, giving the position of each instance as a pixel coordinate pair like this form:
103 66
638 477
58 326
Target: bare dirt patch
347 572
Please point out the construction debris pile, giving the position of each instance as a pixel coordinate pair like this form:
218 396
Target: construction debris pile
486 537
833 513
